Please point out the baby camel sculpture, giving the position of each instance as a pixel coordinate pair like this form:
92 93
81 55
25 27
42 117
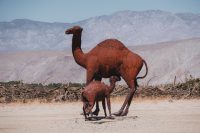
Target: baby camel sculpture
108 58
97 91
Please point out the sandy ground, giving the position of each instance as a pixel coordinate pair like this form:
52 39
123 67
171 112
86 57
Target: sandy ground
152 116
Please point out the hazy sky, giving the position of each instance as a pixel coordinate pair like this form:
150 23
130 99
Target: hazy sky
76 10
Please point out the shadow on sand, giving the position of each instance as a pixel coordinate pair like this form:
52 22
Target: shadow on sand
102 120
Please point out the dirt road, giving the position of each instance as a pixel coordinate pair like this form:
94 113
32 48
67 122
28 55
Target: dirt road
144 117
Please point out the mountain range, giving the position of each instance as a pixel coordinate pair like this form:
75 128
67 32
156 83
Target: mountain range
40 52
131 27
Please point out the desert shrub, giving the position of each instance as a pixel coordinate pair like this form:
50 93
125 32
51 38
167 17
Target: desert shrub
17 91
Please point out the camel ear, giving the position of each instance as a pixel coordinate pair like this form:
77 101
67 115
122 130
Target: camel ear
81 29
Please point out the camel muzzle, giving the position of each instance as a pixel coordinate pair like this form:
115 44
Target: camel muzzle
67 32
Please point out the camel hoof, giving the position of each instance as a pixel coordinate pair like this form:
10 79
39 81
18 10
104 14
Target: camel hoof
117 113
96 112
110 117
124 113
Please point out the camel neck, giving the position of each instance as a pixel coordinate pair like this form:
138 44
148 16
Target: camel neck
78 54
76 42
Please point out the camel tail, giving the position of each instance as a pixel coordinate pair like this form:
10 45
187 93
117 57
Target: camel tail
144 75
146 71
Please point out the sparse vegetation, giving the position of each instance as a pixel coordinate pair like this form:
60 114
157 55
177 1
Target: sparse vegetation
17 91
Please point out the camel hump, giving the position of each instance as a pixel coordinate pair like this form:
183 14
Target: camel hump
112 43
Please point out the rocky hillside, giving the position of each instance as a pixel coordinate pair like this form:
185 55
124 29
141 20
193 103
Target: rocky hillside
131 27
165 61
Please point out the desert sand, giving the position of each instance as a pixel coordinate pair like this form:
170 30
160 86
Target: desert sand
145 116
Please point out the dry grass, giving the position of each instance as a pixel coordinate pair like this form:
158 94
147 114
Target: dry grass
19 92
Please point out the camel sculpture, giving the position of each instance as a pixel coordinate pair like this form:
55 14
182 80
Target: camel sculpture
109 58
97 91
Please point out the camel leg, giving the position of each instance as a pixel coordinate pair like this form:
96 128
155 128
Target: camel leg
125 112
109 107
123 106
84 112
96 112
90 75
104 107
128 97
132 89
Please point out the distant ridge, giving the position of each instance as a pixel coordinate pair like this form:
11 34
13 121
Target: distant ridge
131 27
165 61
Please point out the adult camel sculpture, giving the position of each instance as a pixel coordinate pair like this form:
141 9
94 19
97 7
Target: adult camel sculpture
109 58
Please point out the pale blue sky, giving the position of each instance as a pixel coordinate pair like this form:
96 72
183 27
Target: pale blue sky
76 10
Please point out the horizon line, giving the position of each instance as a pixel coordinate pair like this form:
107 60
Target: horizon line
28 19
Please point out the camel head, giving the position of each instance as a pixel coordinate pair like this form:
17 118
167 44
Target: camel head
114 79
74 30
86 109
